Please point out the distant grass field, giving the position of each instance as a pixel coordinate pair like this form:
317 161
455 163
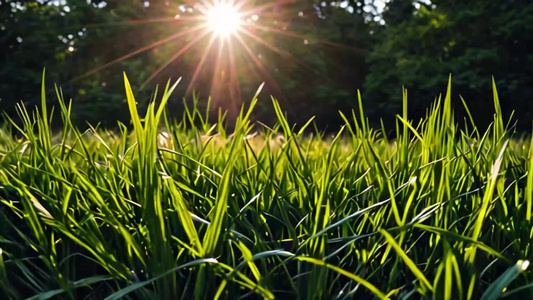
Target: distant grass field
173 210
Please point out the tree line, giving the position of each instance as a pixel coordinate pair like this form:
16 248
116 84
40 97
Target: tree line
335 48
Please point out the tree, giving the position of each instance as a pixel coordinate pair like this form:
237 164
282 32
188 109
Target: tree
67 38
471 40
337 36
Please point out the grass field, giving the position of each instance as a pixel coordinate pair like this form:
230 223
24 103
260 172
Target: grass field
185 210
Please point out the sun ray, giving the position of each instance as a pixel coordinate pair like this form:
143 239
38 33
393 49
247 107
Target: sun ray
174 57
215 82
140 50
261 8
277 50
268 77
230 22
234 85
303 37
176 19
204 7
238 6
283 53
200 64
279 15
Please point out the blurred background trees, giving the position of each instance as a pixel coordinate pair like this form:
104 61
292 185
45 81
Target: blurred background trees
473 40
376 46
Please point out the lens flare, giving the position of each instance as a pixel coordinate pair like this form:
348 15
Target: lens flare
223 19
238 25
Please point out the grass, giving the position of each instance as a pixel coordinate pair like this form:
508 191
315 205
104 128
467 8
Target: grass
183 209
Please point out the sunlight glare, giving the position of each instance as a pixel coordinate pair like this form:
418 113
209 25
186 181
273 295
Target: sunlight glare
223 19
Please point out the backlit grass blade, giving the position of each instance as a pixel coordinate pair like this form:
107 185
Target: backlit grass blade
498 287
218 213
410 264
147 209
457 237
86 282
185 218
244 281
132 105
135 286
4 280
487 197
529 183
350 275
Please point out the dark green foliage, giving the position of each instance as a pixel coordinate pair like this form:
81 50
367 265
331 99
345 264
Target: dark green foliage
344 47
473 40
68 40
96 36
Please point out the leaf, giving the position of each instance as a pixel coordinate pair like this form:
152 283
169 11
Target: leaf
498 287
77 284
350 275
410 264
132 287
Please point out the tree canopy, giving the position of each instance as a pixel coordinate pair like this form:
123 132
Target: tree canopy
472 40
314 55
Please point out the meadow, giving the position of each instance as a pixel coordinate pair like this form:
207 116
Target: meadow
184 209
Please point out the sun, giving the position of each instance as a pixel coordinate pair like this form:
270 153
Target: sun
230 27
223 19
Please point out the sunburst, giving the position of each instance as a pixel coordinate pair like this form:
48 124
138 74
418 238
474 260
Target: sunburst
226 24
223 19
